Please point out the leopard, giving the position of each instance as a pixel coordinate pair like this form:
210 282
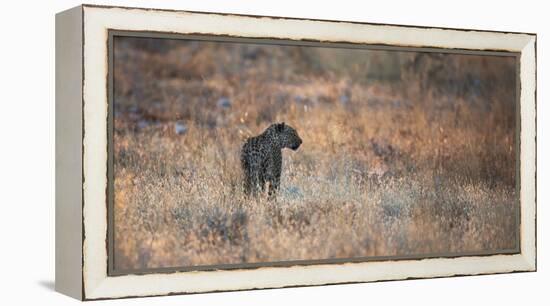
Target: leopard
262 158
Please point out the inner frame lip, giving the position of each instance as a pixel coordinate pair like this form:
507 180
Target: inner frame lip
110 191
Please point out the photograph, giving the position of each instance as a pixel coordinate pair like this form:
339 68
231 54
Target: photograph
239 153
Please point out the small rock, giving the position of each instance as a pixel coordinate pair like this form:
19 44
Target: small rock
142 124
397 103
299 99
292 192
224 102
344 99
180 128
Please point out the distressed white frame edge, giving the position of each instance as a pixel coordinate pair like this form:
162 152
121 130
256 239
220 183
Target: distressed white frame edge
98 20
68 152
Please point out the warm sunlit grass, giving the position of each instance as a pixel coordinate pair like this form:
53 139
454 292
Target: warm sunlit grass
387 167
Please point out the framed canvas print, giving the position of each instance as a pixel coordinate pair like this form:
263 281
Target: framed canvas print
200 152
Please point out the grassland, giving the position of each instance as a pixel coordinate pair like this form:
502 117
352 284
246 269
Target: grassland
404 153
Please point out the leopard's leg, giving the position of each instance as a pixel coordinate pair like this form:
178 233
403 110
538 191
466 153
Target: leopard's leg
274 175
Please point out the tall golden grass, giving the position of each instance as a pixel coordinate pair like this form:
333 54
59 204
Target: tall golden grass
403 153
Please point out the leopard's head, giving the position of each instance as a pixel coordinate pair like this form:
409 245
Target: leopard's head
285 136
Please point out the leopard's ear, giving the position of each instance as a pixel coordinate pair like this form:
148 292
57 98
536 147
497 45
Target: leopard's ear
280 127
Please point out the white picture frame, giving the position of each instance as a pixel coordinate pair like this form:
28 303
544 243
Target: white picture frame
82 35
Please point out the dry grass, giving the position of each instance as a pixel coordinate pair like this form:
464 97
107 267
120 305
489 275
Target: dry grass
403 153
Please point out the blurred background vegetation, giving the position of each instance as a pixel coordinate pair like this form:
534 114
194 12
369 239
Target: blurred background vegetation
405 153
